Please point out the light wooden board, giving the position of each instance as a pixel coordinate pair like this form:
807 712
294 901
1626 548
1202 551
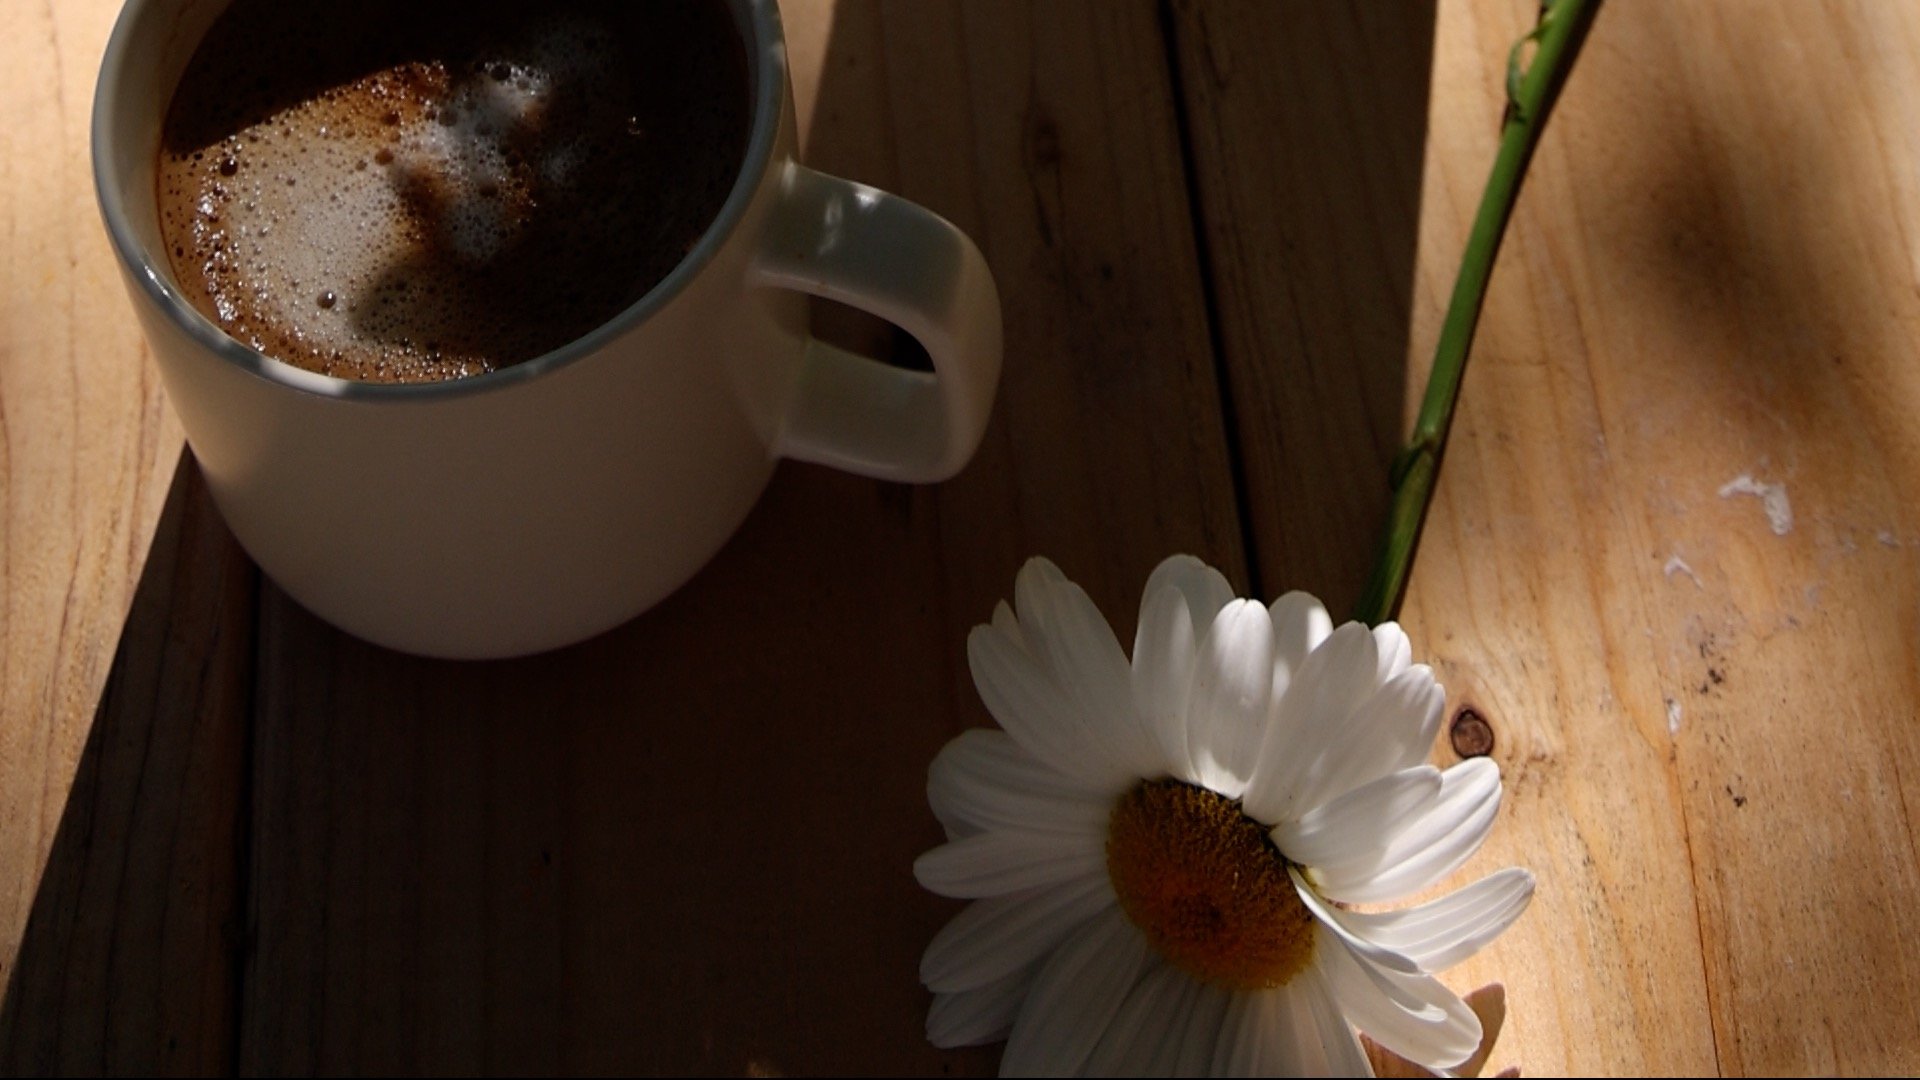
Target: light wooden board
1707 722
1688 297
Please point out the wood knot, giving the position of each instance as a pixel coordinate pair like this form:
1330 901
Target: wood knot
1041 141
1470 733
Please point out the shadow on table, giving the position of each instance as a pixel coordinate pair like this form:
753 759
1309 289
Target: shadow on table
686 846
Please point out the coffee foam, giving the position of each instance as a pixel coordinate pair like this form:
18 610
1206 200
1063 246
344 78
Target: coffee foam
441 217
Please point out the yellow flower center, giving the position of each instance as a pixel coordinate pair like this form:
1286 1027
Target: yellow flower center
1207 887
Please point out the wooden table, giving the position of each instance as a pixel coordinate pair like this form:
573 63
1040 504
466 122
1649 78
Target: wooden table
232 838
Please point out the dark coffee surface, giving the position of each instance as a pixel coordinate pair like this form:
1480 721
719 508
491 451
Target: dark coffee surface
408 192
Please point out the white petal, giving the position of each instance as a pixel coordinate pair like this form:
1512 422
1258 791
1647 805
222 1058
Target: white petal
1069 635
1154 1047
1412 1015
1333 919
1004 621
1332 682
1300 624
1201 1032
1393 991
1396 652
1007 861
1379 739
1074 998
1248 1038
981 1015
1232 686
1205 589
996 754
1292 1031
1024 698
1344 1054
1423 847
1164 649
1412 745
983 780
996 937
1141 1041
1357 828
1441 933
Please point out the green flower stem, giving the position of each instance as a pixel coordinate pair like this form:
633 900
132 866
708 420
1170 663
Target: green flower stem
1530 96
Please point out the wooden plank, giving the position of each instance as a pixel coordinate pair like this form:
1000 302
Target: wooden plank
129 961
1530 597
1306 125
1706 718
138 789
686 846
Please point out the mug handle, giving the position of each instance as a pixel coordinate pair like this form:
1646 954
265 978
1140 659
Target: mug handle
884 255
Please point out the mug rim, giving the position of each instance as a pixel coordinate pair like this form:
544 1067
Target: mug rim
767 68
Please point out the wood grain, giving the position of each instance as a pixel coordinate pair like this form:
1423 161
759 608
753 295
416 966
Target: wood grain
1704 756
129 961
1306 125
686 846
117 854
1706 721
1311 244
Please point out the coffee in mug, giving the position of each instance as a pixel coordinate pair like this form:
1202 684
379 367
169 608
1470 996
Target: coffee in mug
442 188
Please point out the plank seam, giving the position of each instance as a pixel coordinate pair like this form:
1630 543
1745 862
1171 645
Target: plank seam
1209 295
244 930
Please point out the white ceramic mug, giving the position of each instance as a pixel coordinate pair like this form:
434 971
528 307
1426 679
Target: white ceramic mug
538 505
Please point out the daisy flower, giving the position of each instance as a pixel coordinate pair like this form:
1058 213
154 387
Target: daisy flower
1163 853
